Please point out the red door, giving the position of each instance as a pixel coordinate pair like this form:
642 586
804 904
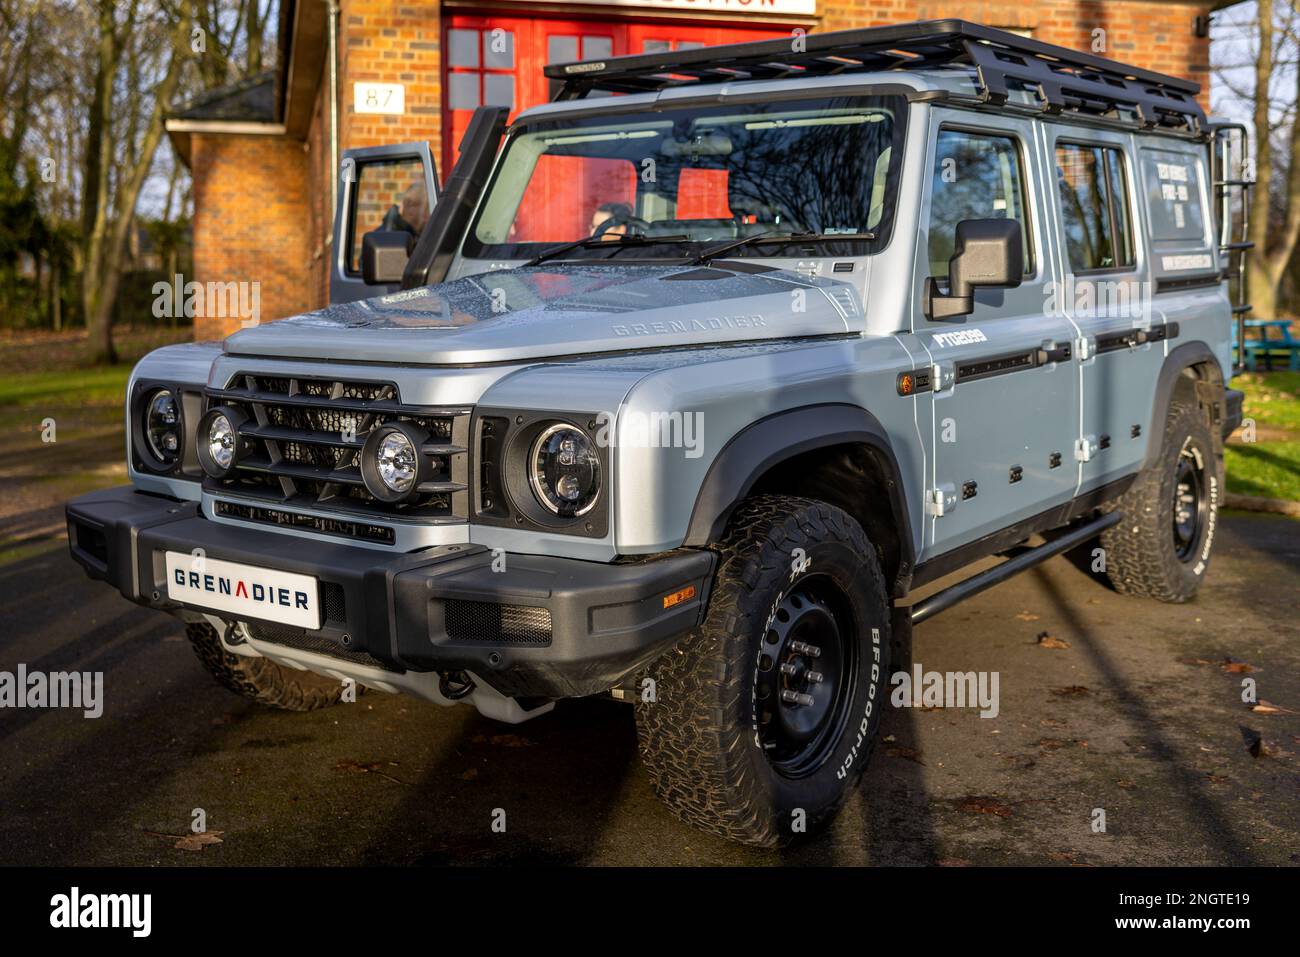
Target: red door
493 60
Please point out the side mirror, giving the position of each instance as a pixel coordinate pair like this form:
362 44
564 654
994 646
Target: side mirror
384 253
988 252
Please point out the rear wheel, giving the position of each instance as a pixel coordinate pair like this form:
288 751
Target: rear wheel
261 679
762 719
1161 548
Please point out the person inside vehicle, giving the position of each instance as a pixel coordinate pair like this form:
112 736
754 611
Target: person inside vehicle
413 212
610 220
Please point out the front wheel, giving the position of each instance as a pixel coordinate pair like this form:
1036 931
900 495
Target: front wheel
262 679
1161 548
762 719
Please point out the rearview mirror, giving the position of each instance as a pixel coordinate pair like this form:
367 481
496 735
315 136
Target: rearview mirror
384 253
987 252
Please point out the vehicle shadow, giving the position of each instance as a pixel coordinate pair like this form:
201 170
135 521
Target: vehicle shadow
1201 807
543 792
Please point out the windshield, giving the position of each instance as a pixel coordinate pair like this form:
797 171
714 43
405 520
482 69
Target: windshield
697 175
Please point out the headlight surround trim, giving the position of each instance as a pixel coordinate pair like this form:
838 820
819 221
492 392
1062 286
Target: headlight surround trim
502 493
189 406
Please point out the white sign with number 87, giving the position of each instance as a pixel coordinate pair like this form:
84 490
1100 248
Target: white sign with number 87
378 98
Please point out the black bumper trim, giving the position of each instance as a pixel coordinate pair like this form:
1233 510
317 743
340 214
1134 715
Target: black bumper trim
607 620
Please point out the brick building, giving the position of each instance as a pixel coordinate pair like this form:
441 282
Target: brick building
262 152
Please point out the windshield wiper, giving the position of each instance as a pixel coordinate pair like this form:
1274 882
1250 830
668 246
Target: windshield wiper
777 239
599 242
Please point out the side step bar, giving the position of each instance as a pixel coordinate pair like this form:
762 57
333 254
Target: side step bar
942 601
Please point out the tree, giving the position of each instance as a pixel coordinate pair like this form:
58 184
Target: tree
1275 202
138 66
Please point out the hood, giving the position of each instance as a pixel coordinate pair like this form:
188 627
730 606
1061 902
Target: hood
562 310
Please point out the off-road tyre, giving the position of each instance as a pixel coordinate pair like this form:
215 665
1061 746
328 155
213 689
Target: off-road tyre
261 679
1145 555
711 758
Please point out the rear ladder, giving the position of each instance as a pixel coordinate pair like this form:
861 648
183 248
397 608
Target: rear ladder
1232 189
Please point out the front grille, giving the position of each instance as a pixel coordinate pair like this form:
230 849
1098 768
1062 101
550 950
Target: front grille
501 624
305 641
305 437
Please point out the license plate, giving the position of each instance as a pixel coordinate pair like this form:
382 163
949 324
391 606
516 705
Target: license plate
245 591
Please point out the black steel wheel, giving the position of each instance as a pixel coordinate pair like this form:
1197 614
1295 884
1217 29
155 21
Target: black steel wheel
803 681
1190 506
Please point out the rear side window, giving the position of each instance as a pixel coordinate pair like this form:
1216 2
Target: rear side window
1173 187
976 176
1094 207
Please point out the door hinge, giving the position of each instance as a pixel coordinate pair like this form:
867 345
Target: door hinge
1085 448
1086 347
941 500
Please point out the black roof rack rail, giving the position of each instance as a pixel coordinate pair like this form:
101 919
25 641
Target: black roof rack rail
1065 81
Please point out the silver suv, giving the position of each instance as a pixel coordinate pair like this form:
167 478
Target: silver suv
679 394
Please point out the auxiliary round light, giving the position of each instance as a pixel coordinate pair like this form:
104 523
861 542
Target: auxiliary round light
219 444
393 465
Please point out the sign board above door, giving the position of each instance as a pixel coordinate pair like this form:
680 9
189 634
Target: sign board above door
799 8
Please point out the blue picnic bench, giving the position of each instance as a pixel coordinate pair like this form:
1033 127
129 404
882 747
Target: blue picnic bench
1264 347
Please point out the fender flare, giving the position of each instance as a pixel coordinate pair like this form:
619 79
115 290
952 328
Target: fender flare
1180 359
783 435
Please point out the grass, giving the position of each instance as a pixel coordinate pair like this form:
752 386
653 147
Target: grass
1263 457
45 376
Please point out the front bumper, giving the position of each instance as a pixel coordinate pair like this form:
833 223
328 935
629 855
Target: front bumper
535 626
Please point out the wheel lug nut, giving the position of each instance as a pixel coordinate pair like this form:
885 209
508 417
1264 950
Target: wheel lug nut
803 648
796 697
813 677
789 669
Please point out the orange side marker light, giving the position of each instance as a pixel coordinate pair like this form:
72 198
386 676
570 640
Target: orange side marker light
679 596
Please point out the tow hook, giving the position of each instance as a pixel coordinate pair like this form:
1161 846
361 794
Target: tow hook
233 636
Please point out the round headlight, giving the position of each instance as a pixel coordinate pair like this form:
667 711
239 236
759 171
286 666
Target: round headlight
219 446
162 426
392 465
565 471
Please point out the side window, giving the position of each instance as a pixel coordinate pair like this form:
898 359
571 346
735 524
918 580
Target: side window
976 176
1094 207
390 195
1173 187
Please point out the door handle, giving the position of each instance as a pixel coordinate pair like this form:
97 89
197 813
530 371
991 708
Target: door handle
1052 351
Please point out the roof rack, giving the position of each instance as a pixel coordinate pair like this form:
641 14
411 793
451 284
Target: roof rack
1065 81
